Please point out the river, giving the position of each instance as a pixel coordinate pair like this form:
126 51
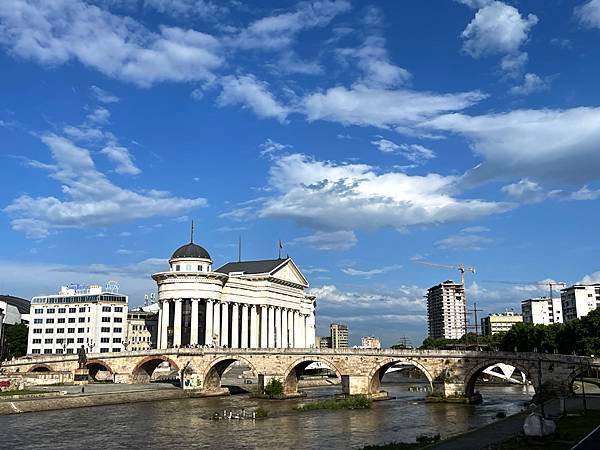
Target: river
186 423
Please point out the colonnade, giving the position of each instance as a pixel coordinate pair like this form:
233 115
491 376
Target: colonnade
231 324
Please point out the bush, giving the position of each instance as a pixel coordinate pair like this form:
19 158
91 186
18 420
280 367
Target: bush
274 388
354 402
261 413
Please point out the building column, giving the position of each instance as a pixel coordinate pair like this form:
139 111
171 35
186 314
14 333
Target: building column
284 328
235 329
298 327
279 331
244 340
225 324
164 332
208 329
308 341
159 330
291 341
177 324
303 331
263 327
271 341
194 322
217 323
253 326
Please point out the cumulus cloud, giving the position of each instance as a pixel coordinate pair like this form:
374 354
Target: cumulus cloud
247 91
119 47
334 240
549 144
278 31
329 196
122 158
413 152
90 198
588 14
592 278
531 84
99 116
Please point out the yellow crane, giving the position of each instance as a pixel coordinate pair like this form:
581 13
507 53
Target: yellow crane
461 269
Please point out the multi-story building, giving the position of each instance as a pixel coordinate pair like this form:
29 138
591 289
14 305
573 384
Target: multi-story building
324 341
499 322
542 310
446 313
370 342
142 328
578 300
339 335
78 316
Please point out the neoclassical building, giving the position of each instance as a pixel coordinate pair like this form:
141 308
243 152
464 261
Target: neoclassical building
245 304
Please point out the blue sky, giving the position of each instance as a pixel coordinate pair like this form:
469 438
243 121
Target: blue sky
365 135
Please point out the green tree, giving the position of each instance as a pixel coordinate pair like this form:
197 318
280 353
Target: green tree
274 388
15 341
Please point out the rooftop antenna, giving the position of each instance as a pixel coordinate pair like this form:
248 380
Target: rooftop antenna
240 248
280 247
192 233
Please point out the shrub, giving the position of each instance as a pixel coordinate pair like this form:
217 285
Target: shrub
261 413
274 388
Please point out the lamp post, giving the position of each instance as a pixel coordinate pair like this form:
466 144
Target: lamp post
1 334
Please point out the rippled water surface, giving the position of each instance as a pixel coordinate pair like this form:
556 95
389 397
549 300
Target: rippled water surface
185 423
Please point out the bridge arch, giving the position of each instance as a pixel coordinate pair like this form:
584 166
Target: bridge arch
376 374
142 373
95 366
217 367
40 368
293 372
474 373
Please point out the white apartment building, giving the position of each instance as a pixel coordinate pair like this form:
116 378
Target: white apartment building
446 310
578 300
499 322
78 316
339 335
542 310
142 328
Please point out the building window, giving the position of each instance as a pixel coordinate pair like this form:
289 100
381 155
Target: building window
47 341
118 309
80 340
39 311
116 340
177 267
106 319
104 340
70 340
37 341
81 319
37 320
59 351
116 350
71 319
60 330
72 310
81 330
71 330
118 319
35 351
61 320
105 330
62 310
103 350
117 330
106 309
50 311
47 351
49 320
49 330
60 341
82 309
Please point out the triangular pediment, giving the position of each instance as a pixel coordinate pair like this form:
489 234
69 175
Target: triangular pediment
288 271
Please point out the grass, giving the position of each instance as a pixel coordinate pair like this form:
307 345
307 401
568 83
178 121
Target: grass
354 402
21 392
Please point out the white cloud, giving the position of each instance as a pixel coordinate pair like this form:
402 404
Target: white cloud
279 31
497 28
592 278
370 272
91 199
185 9
122 158
413 152
329 196
531 84
87 133
123 251
247 91
475 4
514 64
463 241
373 61
103 96
323 240
269 147
99 115
525 190
552 145
383 108
585 193
588 14
62 30
197 94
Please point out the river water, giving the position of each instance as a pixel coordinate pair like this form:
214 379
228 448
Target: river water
186 423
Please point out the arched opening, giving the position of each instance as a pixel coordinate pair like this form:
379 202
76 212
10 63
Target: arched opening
401 375
501 380
40 368
99 371
156 369
585 381
317 375
234 374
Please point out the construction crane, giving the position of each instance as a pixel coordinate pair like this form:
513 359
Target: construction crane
461 269
550 284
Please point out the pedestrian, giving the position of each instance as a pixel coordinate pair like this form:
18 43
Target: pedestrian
83 389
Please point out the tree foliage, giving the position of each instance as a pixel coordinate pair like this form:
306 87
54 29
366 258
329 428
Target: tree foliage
14 341
274 388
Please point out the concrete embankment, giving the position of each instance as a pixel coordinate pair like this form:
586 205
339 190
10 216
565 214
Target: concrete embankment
83 400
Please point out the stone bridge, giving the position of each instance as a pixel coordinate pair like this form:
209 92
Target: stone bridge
450 373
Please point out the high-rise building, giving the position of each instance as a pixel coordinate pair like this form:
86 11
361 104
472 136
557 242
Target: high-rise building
370 342
323 341
339 335
499 322
578 300
542 310
78 316
446 313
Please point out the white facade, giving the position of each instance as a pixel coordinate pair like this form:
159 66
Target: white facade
542 310
247 304
77 316
339 335
578 300
499 322
370 342
446 315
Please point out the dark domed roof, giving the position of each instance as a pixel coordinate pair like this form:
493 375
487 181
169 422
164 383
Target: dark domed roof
190 250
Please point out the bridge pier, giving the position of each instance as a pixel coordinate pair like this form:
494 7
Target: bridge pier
446 392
